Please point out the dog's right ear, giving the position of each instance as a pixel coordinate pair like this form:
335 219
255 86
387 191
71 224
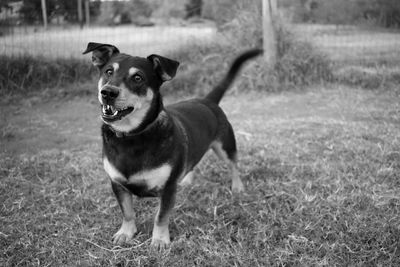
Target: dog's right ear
101 53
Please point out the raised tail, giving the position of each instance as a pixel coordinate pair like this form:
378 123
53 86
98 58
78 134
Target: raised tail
218 92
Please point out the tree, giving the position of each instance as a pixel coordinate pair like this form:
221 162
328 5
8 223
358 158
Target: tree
121 12
193 8
31 9
384 13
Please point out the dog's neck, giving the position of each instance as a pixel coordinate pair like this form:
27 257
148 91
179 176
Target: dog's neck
150 119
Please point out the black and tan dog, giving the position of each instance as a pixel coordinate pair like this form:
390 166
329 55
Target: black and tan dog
148 148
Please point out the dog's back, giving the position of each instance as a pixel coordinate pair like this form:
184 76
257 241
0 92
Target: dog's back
203 121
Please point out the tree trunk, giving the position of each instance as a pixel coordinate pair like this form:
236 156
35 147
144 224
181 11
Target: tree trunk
269 8
44 13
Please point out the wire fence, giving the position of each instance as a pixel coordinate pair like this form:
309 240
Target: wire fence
66 42
339 42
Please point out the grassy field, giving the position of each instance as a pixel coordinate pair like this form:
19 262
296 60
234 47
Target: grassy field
349 44
321 169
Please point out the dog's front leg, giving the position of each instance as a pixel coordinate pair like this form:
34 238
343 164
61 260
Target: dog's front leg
160 238
128 227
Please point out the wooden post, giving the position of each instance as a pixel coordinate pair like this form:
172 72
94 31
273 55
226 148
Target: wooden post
87 13
274 7
269 39
80 13
44 14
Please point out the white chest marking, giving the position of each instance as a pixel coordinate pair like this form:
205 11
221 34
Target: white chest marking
114 174
156 177
152 178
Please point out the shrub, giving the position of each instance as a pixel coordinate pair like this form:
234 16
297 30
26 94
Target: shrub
373 77
123 12
299 62
27 73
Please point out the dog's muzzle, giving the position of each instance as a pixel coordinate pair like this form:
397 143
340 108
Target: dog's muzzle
110 113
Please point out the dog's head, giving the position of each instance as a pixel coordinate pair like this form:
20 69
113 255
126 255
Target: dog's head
128 85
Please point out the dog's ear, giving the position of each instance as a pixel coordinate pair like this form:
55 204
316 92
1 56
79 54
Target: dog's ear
101 53
166 68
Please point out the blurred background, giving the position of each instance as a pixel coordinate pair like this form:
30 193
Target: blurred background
352 36
60 28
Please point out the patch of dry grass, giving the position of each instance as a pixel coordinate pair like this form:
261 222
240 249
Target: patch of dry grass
321 171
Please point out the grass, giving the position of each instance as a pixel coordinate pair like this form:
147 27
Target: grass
352 43
363 57
321 172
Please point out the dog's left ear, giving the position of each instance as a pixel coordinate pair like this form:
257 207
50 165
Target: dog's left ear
166 68
101 53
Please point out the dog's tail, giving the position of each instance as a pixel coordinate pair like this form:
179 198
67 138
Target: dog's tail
218 92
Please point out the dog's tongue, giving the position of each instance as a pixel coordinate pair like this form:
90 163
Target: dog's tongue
109 110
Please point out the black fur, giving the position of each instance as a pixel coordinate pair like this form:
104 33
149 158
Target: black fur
218 92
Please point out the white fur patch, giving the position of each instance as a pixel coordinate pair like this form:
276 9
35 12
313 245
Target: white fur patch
132 71
166 77
114 174
115 66
100 84
99 87
155 178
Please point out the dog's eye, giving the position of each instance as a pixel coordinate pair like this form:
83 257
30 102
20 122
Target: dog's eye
137 78
109 72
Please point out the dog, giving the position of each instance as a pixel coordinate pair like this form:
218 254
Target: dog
149 148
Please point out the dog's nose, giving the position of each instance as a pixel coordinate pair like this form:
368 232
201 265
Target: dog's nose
109 93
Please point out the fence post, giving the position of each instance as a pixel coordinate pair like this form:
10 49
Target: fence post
44 14
87 13
80 13
269 8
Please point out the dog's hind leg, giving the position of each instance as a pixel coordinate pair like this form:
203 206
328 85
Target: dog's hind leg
226 150
188 179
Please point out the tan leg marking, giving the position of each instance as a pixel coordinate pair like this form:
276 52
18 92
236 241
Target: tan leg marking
188 179
128 228
160 239
237 185
125 233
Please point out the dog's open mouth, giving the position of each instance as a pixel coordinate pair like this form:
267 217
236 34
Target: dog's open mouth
110 113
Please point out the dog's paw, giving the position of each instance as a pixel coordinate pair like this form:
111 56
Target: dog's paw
160 239
159 244
125 233
237 186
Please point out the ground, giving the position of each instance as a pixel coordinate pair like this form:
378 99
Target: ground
321 169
